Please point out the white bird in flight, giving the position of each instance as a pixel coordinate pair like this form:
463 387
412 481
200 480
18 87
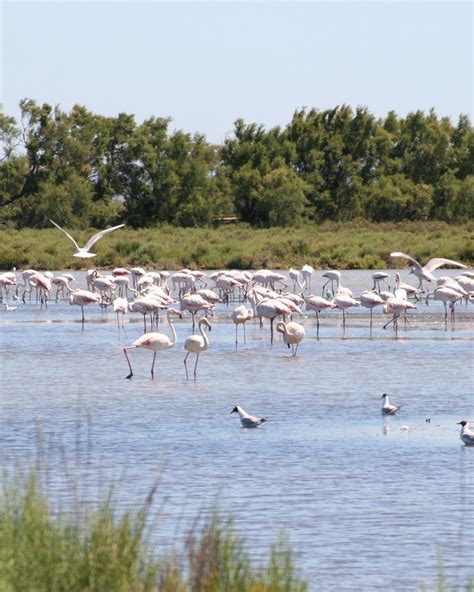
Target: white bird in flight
248 421
387 407
84 252
466 435
424 273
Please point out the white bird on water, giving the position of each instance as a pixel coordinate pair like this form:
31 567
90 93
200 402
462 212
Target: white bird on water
466 435
387 407
248 421
84 252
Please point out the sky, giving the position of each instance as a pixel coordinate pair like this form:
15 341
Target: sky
205 64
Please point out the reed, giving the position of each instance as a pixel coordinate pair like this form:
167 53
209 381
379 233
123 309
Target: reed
358 245
102 550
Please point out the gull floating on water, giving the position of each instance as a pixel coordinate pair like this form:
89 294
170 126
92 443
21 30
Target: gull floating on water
466 435
387 407
248 421
84 252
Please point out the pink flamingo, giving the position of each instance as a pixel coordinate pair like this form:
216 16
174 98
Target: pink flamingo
155 342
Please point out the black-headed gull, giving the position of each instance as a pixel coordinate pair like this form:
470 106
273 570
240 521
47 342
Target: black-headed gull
83 252
466 435
248 421
387 407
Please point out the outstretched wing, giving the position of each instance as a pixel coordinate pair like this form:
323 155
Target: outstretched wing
439 262
403 256
99 235
66 233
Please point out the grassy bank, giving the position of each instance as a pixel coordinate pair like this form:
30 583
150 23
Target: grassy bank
356 245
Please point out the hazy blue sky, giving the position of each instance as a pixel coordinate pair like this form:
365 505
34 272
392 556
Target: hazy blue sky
207 63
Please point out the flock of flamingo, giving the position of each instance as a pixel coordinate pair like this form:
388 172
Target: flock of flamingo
267 292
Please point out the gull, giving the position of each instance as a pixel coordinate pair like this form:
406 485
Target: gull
248 421
387 408
84 252
424 273
466 435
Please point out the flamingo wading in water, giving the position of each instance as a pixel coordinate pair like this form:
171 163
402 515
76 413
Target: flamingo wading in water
197 344
154 341
240 316
293 334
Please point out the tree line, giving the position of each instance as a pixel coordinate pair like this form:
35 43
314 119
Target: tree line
83 169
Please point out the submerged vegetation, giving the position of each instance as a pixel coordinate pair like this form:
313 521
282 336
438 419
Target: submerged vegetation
360 245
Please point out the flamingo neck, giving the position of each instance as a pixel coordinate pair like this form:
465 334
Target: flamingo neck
173 330
204 336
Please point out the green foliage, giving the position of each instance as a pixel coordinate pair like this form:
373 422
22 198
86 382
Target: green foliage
337 164
358 245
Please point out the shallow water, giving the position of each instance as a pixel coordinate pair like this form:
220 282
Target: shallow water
365 505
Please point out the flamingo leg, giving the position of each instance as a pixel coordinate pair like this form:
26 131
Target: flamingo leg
153 365
196 365
343 318
236 325
371 311
389 322
128 360
271 331
185 366
245 339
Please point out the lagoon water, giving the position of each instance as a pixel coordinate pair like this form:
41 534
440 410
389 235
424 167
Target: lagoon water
365 505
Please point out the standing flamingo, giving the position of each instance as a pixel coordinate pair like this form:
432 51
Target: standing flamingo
154 341
318 303
240 316
83 298
120 306
396 306
293 334
270 308
343 301
197 344
371 299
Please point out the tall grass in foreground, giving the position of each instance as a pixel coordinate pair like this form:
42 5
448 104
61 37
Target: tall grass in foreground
102 550
106 552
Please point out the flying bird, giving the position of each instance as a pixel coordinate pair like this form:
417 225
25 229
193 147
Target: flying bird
425 272
84 252
248 421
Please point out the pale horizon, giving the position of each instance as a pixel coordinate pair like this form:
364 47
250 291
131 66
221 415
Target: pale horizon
206 64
